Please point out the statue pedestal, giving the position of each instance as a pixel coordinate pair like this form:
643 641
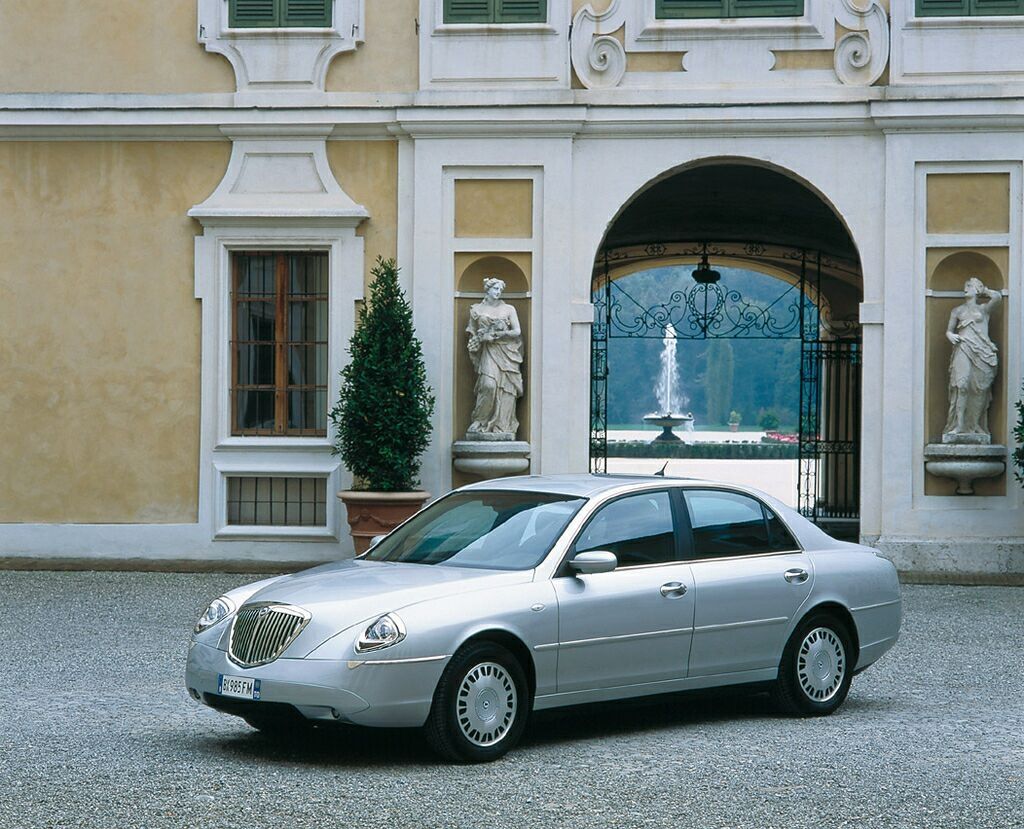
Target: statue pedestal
491 458
965 462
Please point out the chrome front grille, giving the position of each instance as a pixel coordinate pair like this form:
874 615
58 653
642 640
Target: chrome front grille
262 630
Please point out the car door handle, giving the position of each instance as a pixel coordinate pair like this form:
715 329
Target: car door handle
795 576
673 589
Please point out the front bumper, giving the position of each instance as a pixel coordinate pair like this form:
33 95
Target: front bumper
375 692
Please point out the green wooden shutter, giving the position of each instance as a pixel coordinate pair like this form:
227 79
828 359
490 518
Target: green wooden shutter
246 14
468 11
521 11
942 8
982 7
307 13
689 8
765 8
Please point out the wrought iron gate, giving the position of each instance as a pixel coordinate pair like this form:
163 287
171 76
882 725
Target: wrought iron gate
702 308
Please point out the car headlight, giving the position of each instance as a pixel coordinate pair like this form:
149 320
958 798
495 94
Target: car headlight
388 630
217 611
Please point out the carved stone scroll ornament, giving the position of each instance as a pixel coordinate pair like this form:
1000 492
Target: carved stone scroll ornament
598 59
862 53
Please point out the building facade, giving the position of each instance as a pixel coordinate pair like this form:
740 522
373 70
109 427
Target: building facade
194 193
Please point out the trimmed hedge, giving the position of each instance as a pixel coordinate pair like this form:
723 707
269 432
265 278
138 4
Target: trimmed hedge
710 451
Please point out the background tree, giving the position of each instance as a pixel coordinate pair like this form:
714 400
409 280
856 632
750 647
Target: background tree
383 413
718 381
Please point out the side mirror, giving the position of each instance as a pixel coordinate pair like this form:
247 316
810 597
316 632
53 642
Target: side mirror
377 539
594 561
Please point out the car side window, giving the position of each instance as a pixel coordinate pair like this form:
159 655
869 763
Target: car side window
778 536
731 524
638 528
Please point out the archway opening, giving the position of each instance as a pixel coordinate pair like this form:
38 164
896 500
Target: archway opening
726 300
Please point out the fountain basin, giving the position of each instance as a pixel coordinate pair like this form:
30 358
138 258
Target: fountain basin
668 422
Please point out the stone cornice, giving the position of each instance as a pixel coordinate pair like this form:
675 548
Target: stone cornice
605 113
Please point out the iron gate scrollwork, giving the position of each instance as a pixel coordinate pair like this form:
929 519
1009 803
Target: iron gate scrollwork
830 357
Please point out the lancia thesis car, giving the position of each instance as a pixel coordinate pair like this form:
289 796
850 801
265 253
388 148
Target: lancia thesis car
512 596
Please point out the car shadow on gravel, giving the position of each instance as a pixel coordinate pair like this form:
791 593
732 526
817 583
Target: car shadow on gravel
369 747
322 746
646 714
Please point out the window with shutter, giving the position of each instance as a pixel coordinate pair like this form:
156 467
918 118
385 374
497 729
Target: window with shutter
245 14
521 11
765 8
249 14
968 8
307 13
469 11
996 7
495 11
666 9
689 8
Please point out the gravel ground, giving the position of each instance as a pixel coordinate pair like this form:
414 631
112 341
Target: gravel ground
98 731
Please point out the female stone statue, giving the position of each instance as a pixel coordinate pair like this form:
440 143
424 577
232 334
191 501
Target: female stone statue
972 366
496 350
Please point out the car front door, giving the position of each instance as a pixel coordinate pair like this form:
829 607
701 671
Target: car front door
632 625
750 577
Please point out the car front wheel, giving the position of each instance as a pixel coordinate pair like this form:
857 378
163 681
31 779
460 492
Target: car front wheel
480 705
816 668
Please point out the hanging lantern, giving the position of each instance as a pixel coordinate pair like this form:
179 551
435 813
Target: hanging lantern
704 273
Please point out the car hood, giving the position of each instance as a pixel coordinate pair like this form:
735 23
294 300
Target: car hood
345 593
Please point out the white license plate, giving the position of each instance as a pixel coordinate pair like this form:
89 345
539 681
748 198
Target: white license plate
243 687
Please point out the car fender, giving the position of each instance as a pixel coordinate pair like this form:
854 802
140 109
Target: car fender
439 627
867 586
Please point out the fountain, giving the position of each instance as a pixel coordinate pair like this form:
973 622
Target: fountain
667 417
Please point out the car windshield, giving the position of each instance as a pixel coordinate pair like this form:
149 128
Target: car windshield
482 529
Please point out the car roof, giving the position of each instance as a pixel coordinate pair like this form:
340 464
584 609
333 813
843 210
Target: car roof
581 485
588 486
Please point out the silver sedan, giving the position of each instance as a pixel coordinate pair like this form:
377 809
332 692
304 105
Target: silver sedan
512 596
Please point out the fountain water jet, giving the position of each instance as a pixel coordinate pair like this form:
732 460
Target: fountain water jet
667 417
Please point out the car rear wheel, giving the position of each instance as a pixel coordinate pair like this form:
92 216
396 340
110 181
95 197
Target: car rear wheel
816 667
480 706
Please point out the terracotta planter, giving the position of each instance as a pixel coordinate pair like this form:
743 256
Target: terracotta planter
376 513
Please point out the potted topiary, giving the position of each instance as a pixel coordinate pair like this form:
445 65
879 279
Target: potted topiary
735 418
382 418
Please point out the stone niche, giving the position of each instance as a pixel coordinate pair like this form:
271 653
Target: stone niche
947 271
470 269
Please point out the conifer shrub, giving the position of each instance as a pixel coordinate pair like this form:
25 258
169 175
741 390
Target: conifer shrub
383 416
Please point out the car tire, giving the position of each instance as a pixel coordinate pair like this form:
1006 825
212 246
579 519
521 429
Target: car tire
816 667
480 706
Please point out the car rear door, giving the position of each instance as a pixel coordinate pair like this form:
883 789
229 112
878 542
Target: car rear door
634 624
750 578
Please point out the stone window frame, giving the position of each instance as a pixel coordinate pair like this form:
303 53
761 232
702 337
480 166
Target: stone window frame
646 32
280 59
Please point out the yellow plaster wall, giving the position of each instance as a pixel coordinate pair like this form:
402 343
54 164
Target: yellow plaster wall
368 172
804 59
494 208
949 268
95 46
968 203
99 419
389 59
654 61
598 5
